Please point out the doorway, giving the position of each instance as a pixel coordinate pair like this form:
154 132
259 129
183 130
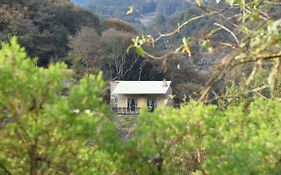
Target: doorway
132 104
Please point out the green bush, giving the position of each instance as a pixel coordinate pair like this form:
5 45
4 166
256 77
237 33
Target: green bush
241 139
50 133
46 132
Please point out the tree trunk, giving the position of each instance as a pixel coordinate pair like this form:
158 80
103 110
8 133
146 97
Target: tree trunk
33 160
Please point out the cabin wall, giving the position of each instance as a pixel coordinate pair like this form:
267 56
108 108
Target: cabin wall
141 100
122 101
119 102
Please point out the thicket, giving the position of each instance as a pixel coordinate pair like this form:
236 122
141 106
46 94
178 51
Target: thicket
44 131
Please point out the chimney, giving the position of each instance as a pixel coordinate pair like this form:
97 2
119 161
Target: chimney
165 83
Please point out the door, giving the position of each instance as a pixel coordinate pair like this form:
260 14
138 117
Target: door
132 104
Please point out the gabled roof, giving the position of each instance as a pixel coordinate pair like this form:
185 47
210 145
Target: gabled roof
140 87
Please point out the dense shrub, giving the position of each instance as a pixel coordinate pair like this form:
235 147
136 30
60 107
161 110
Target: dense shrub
45 132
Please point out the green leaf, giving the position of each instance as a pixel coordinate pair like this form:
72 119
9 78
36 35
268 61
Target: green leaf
140 51
230 2
241 3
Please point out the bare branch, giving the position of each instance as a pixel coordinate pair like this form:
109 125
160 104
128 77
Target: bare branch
160 57
241 93
184 24
252 75
227 66
229 31
130 68
272 75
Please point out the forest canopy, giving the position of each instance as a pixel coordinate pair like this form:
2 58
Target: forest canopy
43 27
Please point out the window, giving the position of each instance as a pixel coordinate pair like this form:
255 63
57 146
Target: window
115 100
151 104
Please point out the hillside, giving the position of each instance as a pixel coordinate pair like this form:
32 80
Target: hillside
148 9
43 27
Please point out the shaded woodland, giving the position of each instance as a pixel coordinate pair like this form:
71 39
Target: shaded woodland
90 40
43 27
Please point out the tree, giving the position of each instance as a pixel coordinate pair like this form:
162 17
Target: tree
85 50
253 37
108 52
43 27
47 129
119 25
203 139
114 46
160 20
45 132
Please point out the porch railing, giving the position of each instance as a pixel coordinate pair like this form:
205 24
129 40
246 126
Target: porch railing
126 111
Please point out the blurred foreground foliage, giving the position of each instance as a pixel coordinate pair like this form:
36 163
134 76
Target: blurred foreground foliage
45 130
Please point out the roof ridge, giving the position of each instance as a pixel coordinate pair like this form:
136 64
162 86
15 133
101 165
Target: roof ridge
145 87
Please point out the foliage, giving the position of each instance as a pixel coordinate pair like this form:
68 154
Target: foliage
238 140
51 126
234 32
137 9
43 26
108 52
118 25
46 132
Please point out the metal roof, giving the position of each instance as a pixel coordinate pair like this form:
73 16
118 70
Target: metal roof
140 87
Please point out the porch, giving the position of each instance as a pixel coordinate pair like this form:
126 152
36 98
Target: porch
130 111
126 111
